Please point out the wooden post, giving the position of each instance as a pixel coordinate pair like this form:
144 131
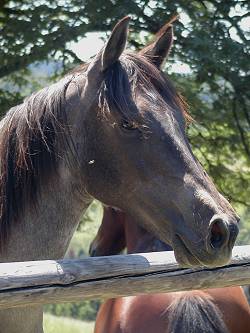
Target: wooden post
49 281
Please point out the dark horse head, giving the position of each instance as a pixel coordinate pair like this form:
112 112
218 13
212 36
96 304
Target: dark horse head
139 157
126 132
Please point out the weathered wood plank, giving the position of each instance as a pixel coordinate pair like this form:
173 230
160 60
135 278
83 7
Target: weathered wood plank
40 282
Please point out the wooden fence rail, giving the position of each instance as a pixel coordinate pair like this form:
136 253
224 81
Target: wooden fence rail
40 282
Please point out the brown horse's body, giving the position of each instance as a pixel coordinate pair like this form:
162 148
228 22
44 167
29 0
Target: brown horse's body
227 308
149 314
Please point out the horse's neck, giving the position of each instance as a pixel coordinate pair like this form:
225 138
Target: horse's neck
44 232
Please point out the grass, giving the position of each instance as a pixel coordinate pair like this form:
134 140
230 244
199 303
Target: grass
53 324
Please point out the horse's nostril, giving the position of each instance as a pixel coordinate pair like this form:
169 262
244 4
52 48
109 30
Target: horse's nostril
219 234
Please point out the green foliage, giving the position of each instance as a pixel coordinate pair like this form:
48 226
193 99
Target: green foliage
87 229
85 310
93 215
54 324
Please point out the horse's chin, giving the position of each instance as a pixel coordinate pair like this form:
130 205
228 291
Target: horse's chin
183 255
187 257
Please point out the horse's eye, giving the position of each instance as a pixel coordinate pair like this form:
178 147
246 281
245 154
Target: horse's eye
129 126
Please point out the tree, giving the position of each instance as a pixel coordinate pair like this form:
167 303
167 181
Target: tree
217 89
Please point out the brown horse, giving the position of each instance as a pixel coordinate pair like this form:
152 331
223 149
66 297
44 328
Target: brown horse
113 130
217 310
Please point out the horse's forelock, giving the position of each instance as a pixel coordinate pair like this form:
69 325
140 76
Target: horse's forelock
133 76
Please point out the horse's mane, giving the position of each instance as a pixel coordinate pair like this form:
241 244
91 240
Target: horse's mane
30 131
28 135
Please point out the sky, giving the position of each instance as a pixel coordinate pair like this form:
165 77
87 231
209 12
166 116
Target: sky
88 46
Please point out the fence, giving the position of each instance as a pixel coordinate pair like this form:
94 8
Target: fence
40 282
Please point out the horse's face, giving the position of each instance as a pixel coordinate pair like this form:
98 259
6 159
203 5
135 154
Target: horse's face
137 156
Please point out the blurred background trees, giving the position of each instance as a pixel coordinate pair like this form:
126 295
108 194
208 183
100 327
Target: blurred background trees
212 42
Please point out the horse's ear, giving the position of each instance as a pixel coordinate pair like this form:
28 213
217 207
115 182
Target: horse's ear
159 49
116 43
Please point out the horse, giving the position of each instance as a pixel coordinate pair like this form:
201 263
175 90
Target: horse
113 130
218 310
